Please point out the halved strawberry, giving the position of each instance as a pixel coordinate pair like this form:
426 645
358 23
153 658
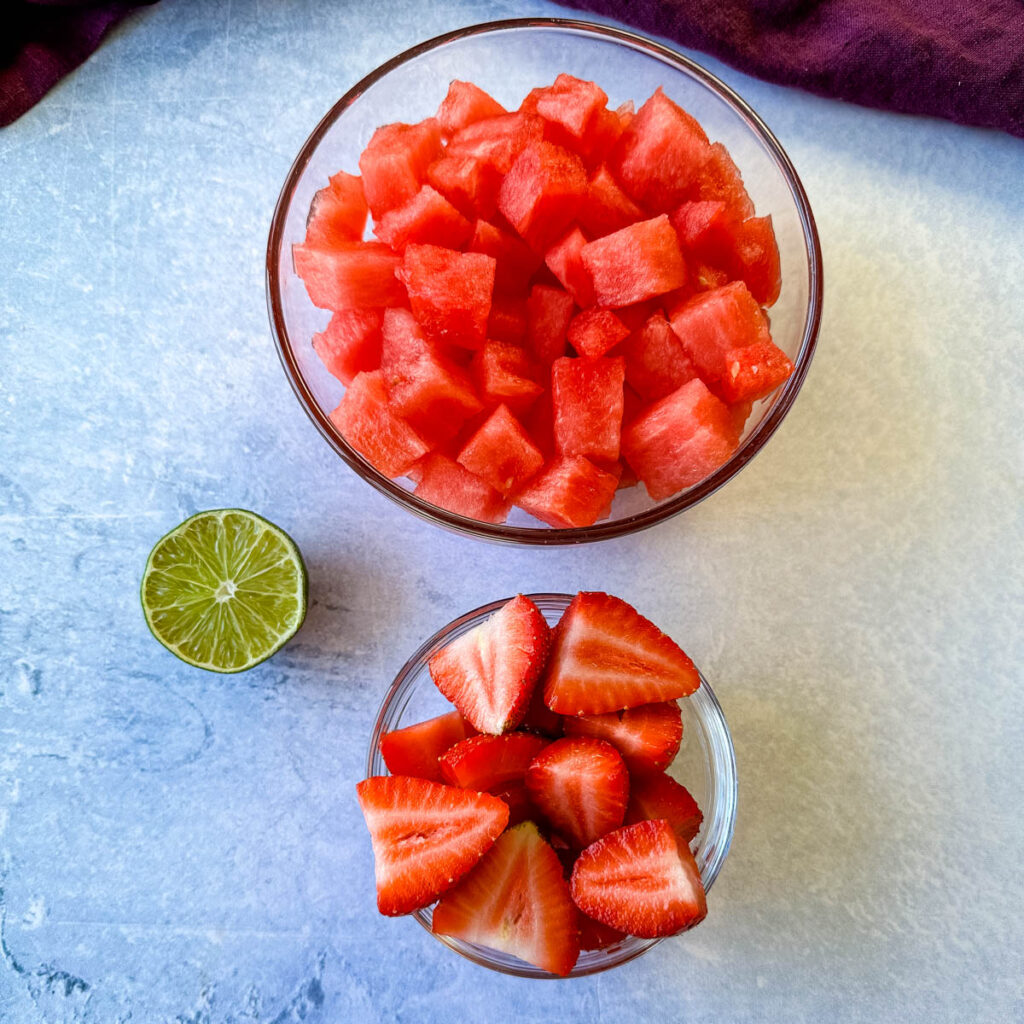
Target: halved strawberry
425 836
594 935
489 673
516 900
660 796
640 880
415 749
540 718
647 737
581 786
606 656
488 762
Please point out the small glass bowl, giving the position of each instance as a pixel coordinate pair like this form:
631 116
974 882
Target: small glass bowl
705 764
508 58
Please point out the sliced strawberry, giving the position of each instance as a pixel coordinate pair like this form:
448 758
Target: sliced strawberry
415 749
647 737
519 806
581 786
660 796
606 656
515 901
594 935
489 673
540 718
425 836
640 880
489 762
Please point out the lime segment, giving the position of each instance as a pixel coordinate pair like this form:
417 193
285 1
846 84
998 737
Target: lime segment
224 590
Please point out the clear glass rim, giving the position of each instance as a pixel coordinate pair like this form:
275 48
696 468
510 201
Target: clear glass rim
720 812
551 535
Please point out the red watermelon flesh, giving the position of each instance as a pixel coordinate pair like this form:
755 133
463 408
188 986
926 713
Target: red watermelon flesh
426 217
570 491
679 440
635 263
548 315
507 321
394 163
514 261
505 374
570 103
540 425
587 398
565 262
350 343
497 141
755 259
469 184
450 292
338 212
656 363
448 485
366 420
594 331
358 275
606 208
501 453
464 104
720 178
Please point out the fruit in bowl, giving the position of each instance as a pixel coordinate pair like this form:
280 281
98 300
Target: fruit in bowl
537 816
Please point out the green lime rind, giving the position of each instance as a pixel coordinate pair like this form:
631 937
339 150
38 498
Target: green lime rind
224 590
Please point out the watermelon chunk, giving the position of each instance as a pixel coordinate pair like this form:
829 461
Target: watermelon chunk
755 259
394 163
570 491
656 363
496 141
501 453
594 331
505 374
358 275
426 217
514 261
565 262
570 103
635 263
429 391
660 155
469 184
450 292
507 321
548 315
720 178
587 398
464 104
679 440
606 208
448 485
366 420
351 343
726 336
338 213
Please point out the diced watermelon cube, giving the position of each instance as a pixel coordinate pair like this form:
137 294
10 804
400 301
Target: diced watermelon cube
564 260
635 316
359 275
679 440
394 163
601 136
450 292
505 374
337 214
542 191
515 261
497 141
469 184
415 749
726 336
755 259
704 231
367 421
350 344
570 103
507 321
448 485
606 208
501 453
594 331
465 103
570 491
428 390
587 398
656 363
426 217
635 263
548 315
720 178
660 155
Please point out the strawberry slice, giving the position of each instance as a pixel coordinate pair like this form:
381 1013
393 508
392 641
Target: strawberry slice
518 800
489 673
540 718
606 656
594 935
647 736
660 796
415 749
640 880
488 762
581 786
517 901
425 836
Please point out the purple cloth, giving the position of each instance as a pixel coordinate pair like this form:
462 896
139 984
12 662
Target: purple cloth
42 40
958 59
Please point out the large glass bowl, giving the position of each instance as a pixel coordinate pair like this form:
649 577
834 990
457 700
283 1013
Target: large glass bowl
508 58
705 764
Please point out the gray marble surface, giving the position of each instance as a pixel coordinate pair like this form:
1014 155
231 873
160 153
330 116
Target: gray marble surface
181 847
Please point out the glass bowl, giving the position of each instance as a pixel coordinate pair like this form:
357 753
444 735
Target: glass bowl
705 764
508 58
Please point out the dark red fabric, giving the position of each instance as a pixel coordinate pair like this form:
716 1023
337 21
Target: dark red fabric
42 40
958 59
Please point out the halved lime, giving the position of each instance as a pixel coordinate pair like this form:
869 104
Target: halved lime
224 590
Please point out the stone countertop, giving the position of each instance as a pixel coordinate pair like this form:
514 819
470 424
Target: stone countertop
181 847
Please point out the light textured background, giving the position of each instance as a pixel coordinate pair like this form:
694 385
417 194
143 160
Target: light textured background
178 847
